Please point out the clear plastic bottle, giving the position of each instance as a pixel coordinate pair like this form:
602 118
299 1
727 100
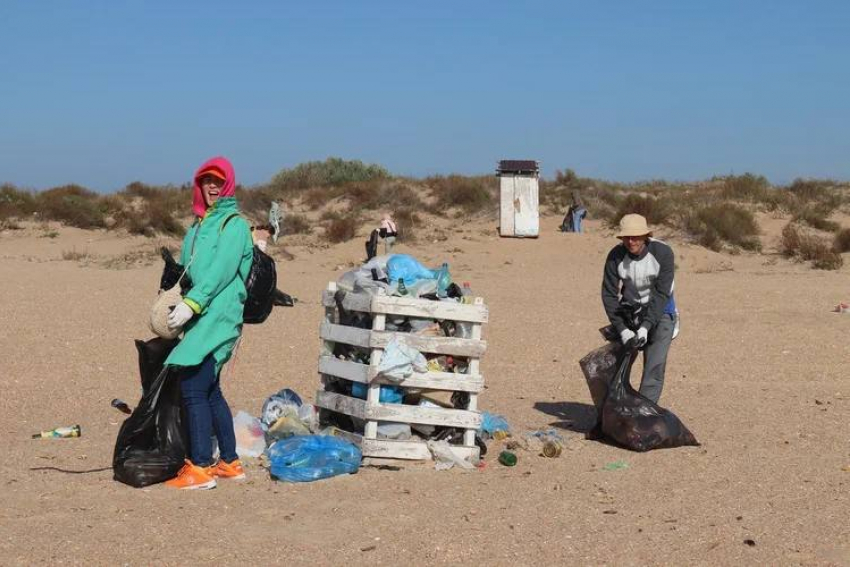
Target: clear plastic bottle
444 280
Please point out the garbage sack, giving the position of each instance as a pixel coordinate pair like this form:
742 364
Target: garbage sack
598 367
636 422
308 415
387 395
445 458
152 442
400 360
306 458
491 423
392 430
285 402
407 268
250 437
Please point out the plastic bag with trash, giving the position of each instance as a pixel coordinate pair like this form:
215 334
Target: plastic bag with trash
306 458
634 421
400 360
388 394
152 442
445 458
491 423
285 402
407 268
250 437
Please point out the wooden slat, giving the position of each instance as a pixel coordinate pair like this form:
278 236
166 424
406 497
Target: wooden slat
354 371
474 365
431 345
412 450
430 309
357 372
426 416
342 404
346 335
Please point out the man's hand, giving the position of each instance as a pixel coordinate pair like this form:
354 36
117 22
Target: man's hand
642 337
179 316
626 335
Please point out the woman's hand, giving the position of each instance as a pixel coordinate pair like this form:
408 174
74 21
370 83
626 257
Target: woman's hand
179 316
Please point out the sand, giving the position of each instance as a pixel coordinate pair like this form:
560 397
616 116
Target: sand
757 374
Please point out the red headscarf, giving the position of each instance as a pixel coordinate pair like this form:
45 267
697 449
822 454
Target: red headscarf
222 166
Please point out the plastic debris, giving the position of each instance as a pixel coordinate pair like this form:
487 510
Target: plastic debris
250 438
445 458
401 360
306 458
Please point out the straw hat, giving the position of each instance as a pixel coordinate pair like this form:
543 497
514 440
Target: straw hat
162 307
633 225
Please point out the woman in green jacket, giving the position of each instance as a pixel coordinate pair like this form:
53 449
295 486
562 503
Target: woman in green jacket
218 251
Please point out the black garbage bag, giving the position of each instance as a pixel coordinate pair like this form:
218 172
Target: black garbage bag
152 442
171 273
261 286
633 421
372 245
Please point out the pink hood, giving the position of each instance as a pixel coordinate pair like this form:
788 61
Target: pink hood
199 206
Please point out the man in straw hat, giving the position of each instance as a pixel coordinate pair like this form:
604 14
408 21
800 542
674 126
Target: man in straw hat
639 274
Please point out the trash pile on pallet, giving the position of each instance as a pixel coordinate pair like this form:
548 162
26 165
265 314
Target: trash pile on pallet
400 363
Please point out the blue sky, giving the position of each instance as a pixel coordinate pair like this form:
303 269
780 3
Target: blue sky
105 93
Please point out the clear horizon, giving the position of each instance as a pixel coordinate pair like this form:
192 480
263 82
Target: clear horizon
117 93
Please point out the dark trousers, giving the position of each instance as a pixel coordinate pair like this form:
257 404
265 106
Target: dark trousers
207 411
655 358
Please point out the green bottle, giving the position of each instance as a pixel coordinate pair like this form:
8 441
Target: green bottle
402 289
507 458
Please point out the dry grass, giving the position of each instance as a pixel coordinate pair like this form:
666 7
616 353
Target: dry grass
470 195
74 255
841 242
340 229
803 246
296 224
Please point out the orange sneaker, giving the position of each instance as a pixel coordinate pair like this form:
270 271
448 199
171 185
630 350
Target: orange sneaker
232 470
193 477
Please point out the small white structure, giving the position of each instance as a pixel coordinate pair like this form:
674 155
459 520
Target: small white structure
519 190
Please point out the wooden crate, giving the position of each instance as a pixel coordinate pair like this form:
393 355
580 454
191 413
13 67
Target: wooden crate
375 340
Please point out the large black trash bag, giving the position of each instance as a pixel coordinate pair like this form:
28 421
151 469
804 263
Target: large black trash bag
634 421
152 442
171 273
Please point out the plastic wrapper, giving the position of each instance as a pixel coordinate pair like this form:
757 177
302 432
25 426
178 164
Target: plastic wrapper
635 422
407 268
445 458
307 458
400 361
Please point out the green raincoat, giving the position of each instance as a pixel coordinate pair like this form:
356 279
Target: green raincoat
219 267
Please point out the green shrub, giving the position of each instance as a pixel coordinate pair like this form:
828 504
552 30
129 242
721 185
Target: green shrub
15 203
71 205
331 172
815 217
747 187
470 194
656 211
724 223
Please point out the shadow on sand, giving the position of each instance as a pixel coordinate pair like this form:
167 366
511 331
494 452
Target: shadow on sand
572 416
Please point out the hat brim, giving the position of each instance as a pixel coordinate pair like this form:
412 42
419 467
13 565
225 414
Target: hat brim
633 233
215 172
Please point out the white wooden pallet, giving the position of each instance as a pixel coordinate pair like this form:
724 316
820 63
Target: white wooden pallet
376 339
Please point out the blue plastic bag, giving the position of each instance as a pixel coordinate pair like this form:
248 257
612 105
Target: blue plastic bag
305 458
490 423
388 395
408 269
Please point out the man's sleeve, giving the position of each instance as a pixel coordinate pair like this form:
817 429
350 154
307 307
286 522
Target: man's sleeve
611 290
663 288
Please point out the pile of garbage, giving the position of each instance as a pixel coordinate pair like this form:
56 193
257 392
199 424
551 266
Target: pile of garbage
288 433
402 275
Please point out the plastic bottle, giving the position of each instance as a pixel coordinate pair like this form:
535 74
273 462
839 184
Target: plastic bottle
507 458
444 280
466 292
402 289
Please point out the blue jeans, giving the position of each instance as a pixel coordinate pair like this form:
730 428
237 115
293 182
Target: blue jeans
207 411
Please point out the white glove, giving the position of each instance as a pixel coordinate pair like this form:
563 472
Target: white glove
642 337
626 335
179 316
